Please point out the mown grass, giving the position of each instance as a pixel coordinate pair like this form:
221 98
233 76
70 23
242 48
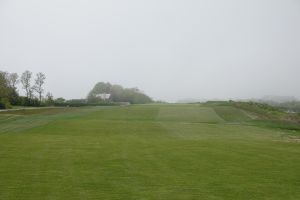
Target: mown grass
232 114
147 152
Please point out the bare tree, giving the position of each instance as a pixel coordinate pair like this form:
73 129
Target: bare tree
26 82
49 99
31 94
39 82
13 80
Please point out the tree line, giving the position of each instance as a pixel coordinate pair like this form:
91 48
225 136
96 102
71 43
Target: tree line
33 88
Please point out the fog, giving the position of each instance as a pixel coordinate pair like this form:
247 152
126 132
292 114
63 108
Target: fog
170 49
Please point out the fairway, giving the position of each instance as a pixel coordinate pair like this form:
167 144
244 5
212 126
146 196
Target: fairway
146 152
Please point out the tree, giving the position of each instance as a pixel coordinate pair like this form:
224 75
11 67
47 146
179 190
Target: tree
4 89
8 91
39 82
26 82
99 88
13 80
49 99
117 94
31 95
60 100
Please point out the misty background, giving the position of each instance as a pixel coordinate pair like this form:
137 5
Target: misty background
170 49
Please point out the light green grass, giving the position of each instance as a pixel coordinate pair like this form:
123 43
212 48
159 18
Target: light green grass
145 152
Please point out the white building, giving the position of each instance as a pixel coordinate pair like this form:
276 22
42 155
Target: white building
103 96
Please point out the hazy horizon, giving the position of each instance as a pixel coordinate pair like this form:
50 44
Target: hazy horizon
169 49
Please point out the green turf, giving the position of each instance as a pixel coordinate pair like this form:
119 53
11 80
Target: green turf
231 114
146 152
188 113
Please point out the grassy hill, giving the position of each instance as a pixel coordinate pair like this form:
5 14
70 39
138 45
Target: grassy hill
200 151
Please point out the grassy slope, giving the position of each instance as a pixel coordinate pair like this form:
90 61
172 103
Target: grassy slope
146 152
232 114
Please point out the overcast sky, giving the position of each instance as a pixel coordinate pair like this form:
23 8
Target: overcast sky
170 49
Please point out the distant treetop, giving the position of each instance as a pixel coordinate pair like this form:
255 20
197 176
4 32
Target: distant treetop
116 93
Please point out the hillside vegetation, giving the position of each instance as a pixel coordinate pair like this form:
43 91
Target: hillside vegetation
259 114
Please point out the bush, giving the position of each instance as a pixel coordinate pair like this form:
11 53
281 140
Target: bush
4 104
24 101
79 103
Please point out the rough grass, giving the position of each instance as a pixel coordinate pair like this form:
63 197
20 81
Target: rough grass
188 113
147 152
231 114
34 111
